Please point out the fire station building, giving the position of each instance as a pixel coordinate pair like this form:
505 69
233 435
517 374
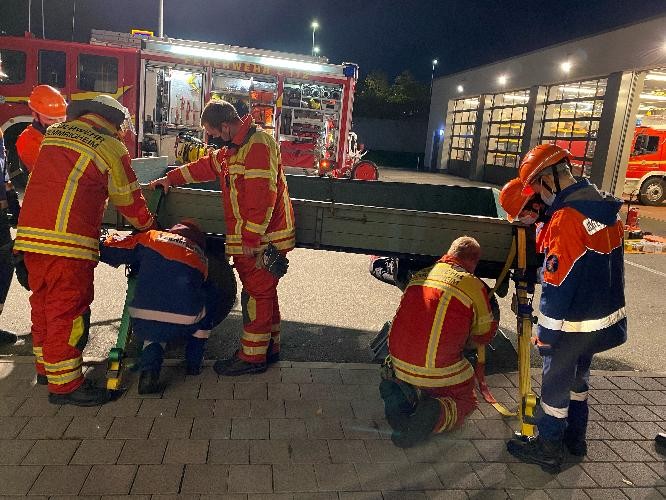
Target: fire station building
593 95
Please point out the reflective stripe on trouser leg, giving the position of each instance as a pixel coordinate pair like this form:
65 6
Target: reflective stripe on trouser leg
258 300
564 371
456 403
68 292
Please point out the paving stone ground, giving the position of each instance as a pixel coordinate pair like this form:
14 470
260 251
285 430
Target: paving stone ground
308 431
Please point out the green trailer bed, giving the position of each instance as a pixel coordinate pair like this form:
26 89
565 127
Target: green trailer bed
382 218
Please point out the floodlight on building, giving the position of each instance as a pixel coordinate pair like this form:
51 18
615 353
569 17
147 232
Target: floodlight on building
502 79
566 66
460 89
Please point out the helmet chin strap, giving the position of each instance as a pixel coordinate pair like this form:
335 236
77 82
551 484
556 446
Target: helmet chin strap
556 179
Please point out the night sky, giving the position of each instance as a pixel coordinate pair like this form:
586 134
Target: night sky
386 35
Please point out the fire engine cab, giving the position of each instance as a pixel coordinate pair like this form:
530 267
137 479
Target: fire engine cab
304 101
646 172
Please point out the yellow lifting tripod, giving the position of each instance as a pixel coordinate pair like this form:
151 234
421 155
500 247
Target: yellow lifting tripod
524 280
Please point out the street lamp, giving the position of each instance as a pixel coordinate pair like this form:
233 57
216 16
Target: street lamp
432 75
314 27
315 50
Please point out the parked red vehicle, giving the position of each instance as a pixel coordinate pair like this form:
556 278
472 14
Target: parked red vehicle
646 171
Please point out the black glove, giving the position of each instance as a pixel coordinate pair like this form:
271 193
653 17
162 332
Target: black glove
274 261
21 270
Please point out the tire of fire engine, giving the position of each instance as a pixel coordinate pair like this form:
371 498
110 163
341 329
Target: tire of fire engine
221 273
653 191
365 170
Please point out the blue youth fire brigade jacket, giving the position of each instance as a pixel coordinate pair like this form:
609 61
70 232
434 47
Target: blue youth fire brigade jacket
583 270
171 274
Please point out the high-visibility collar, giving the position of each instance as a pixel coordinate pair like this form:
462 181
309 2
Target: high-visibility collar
241 134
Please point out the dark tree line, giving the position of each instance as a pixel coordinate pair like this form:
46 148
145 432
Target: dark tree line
404 98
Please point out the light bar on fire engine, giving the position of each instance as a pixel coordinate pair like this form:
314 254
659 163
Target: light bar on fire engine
248 58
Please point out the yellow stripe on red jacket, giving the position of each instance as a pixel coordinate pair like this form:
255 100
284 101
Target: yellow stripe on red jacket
80 166
441 308
257 207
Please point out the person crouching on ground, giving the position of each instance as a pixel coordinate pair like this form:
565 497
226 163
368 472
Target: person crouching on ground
173 299
428 384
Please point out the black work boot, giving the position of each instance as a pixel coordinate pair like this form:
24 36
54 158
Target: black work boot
660 442
548 454
576 444
235 366
574 434
149 382
86 395
42 379
399 401
420 424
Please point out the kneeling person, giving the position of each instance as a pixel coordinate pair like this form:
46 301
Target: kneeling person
428 384
172 300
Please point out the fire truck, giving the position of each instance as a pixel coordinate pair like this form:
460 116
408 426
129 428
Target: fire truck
304 101
646 171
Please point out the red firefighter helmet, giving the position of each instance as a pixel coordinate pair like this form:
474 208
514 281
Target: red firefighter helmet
512 198
47 101
537 160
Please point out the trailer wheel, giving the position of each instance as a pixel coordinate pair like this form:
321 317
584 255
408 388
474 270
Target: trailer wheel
653 191
221 273
365 170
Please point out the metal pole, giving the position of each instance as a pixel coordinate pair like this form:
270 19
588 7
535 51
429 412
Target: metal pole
313 40
161 19
73 16
43 19
29 14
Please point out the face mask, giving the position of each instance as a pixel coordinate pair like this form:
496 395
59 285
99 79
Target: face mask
528 220
547 197
546 194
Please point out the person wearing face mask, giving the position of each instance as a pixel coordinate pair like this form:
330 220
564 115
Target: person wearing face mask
582 307
258 213
525 209
82 163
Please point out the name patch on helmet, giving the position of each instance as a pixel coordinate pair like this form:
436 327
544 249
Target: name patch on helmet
552 263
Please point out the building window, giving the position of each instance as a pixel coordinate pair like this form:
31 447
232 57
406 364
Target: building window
52 68
12 65
463 124
507 122
98 73
573 111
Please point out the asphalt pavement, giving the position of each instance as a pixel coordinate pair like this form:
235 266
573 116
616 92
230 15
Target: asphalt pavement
331 307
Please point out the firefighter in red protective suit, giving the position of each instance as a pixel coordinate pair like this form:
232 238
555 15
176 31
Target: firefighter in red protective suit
82 163
259 220
48 107
428 385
